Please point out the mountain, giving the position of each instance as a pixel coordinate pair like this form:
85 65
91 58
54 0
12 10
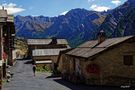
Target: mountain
79 25
76 26
121 21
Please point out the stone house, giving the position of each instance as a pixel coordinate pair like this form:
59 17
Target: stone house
102 62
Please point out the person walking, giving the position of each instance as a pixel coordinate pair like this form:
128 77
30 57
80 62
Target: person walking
34 69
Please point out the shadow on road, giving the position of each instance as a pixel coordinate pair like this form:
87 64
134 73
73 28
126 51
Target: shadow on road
74 86
53 76
86 87
24 59
28 62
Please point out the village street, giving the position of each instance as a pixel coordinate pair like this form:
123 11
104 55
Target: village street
23 79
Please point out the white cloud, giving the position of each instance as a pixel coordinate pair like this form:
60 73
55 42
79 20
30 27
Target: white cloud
116 2
91 0
99 8
12 8
63 13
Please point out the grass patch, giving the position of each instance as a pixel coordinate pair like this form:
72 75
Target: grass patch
43 69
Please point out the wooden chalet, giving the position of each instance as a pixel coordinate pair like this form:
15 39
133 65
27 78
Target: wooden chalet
45 52
46 44
8 39
7 33
3 19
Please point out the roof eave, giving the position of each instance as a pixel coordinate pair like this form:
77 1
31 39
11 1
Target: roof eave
76 56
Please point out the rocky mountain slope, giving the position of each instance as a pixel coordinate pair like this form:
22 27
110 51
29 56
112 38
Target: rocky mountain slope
120 22
76 26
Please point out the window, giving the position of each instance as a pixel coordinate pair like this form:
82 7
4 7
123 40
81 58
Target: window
128 59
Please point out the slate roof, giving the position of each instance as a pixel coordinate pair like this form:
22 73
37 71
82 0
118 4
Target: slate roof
45 41
46 52
89 44
91 48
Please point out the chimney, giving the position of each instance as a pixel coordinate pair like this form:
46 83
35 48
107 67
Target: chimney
2 7
54 41
101 36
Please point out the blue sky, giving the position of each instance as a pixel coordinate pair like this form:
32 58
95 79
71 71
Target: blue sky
55 7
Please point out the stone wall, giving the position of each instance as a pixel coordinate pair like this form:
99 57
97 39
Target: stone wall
112 67
64 63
